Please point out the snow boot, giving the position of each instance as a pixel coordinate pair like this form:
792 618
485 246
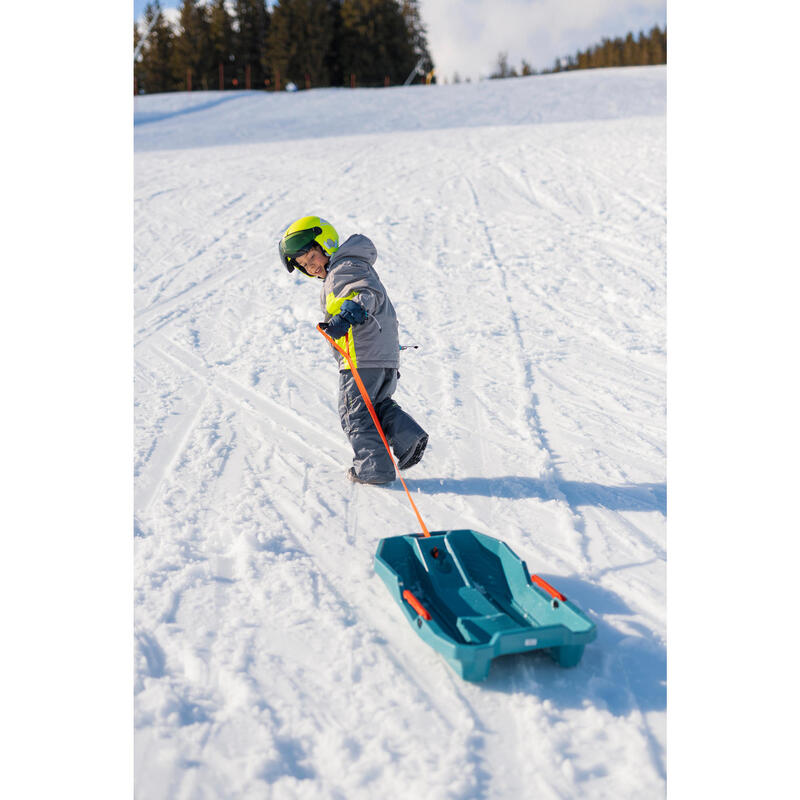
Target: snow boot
353 478
414 455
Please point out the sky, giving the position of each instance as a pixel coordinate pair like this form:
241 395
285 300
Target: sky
466 36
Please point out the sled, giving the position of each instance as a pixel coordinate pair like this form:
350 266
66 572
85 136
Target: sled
472 599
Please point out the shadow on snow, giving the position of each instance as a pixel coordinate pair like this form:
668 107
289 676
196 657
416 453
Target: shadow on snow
623 670
145 117
631 497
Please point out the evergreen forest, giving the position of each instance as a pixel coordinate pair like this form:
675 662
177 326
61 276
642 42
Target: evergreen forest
309 43
244 44
630 51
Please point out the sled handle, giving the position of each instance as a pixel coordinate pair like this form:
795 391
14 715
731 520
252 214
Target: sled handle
371 409
416 605
543 584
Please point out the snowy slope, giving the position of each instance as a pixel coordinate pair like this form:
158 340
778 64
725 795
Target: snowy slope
520 227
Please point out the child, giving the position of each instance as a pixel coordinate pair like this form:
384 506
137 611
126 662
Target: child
362 320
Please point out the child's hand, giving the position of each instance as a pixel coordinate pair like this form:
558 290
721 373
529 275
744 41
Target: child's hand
336 327
353 313
350 314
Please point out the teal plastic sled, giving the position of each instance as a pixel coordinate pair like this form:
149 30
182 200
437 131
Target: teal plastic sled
471 598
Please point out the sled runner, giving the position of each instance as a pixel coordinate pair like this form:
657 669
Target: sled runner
469 596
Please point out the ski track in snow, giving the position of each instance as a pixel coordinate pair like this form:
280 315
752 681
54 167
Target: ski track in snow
527 260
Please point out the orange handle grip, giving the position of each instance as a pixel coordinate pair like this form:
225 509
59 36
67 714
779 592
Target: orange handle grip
548 588
416 605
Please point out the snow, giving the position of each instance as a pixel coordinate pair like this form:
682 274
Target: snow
520 226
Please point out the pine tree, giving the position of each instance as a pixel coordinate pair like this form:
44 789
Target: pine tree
192 52
137 64
617 52
157 71
375 42
220 32
358 31
281 47
417 33
597 55
657 46
250 38
310 29
629 51
609 53
643 57
502 70
333 60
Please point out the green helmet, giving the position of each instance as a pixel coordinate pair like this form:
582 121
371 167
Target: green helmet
300 235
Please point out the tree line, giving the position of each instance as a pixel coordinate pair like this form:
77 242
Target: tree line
645 49
305 42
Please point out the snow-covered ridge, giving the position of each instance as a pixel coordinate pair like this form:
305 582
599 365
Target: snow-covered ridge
202 119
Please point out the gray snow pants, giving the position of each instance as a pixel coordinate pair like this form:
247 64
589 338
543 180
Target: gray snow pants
371 461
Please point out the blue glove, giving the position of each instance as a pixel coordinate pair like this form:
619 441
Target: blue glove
350 314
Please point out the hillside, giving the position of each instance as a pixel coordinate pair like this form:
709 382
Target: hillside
520 226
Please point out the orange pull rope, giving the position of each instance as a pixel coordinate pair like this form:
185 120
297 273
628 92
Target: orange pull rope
370 407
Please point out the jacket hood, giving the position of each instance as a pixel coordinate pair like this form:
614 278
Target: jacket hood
356 246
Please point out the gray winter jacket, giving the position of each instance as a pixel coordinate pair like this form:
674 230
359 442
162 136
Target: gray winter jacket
351 276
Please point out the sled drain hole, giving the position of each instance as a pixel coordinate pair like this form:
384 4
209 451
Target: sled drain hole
435 552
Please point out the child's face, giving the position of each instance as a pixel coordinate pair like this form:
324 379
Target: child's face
314 262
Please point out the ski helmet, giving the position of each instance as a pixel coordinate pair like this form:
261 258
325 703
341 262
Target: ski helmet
301 235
